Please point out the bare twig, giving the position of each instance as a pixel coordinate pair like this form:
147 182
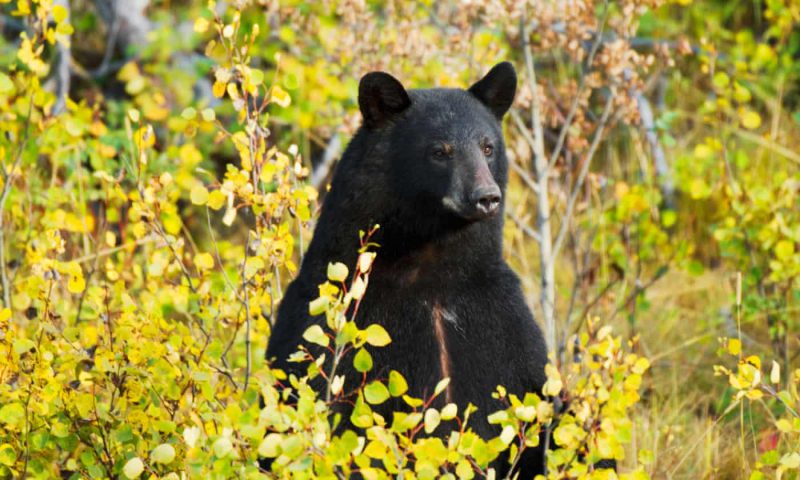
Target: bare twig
576 188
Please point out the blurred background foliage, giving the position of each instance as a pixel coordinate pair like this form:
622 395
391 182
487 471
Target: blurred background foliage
161 163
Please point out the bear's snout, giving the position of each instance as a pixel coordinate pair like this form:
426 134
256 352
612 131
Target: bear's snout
486 201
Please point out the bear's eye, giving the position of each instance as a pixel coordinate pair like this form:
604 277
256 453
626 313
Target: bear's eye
441 153
487 150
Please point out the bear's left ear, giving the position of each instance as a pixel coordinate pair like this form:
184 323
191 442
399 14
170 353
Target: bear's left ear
380 97
496 90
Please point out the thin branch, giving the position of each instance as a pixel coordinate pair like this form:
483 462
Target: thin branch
111 43
523 226
598 136
523 175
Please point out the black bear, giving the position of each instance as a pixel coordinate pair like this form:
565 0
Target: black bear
430 167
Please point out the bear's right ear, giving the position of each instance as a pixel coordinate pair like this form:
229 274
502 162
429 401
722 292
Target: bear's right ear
496 90
380 97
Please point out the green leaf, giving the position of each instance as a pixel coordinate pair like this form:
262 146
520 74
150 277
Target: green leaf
376 393
363 361
377 336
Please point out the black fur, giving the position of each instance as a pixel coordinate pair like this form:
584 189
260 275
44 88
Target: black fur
415 149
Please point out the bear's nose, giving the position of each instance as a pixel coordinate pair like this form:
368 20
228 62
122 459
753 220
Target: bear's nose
487 199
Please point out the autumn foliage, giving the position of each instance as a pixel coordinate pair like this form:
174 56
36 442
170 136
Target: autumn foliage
156 196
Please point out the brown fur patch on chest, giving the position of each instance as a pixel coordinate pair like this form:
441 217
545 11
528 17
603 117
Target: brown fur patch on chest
438 316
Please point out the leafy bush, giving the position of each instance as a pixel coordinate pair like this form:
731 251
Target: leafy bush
156 198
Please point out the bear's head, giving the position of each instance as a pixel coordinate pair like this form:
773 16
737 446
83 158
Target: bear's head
443 148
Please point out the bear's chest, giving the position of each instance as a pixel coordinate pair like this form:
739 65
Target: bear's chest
437 332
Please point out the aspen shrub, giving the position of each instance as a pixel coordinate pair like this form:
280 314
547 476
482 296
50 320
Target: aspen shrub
131 347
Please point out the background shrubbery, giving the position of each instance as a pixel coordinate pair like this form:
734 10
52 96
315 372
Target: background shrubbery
160 163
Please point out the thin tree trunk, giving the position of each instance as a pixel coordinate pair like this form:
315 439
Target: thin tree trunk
542 172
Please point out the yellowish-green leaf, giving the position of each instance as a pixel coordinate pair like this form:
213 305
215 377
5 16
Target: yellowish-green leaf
164 453
376 393
133 467
397 384
199 195
432 420
441 386
363 360
6 85
315 334
337 272
269 446
377 335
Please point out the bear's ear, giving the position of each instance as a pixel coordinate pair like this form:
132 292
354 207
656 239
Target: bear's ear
380 97
496 90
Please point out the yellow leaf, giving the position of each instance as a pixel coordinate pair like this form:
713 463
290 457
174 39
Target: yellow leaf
784 249
76 284
60 13
280 96
216 200
218 89
734 346
204 261
750 119
201 25
553 385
